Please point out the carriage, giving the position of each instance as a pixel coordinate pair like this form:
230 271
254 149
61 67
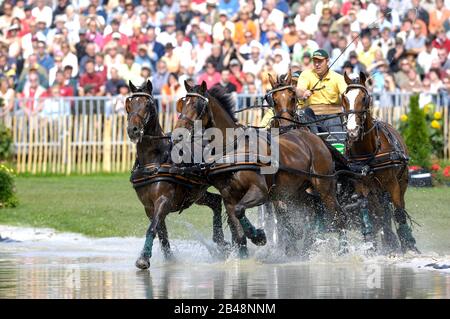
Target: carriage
364 188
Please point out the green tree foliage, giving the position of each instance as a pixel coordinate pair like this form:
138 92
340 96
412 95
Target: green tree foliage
417 137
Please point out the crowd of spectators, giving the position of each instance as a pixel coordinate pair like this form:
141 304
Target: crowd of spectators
94 47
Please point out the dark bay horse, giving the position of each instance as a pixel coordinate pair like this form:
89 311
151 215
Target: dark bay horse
245 188
161 193
379 147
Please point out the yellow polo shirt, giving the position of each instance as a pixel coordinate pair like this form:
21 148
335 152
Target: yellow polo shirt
333 86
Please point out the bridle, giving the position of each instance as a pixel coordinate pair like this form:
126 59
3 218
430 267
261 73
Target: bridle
367 101
145 119
204 108
269 98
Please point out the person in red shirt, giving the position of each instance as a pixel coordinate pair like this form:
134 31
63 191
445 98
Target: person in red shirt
137 38
236 76
210 76
91 82
441 41
116 35
64 90
33 94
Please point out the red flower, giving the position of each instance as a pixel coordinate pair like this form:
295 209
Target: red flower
446 171
435 167
414 168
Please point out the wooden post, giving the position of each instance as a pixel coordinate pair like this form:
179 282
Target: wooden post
107 145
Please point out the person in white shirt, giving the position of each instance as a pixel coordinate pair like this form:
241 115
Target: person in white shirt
221 25
305 21
44 12
201 51
275 15
255 64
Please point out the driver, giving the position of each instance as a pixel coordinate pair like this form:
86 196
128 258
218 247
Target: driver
321 90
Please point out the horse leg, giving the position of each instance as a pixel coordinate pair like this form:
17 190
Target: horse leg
143 262
390 242
164 239
327 191
287 232
404 231
253 197
214 201
237 232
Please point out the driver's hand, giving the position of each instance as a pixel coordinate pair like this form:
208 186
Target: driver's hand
307 94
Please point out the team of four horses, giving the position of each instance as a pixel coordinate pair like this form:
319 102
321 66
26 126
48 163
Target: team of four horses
363 188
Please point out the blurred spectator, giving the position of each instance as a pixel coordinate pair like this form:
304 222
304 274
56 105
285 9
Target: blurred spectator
91 83
438 16
255 63
216 57
113 84
32 65
183 16
416 43
44 12
290 36
231 7
142 56
7 94
402 76
130 71
100 67
60 82
54 106
425 57
69 58
304 45
210 76
116 35
442 41
236 75
155 50
33 93
243 25
225 81
396 54
120 98
171 91
172 61
435 81
221 25
367 54
356 64
160 77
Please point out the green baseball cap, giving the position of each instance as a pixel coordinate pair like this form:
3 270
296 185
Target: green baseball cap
320 54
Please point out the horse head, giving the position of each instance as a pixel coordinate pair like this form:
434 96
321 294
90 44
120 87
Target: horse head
282 97
356 101
193 107
141 109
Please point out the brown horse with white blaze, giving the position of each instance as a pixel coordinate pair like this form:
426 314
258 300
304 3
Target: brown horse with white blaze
379 147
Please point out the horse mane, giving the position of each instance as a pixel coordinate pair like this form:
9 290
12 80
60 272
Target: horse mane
224 99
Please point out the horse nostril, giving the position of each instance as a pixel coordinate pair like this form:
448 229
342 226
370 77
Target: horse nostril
135 129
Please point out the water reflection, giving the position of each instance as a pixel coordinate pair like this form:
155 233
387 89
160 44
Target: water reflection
114 277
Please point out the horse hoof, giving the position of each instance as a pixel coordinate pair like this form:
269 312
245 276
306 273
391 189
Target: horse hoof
243 252
260 239
143 263
169 256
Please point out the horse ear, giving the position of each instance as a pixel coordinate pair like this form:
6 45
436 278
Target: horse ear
289 77
132 87
362 78
271 80
149 86
203 87
187 86
180 105
346 78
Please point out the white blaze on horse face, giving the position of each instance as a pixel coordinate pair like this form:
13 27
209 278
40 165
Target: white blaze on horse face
351 123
